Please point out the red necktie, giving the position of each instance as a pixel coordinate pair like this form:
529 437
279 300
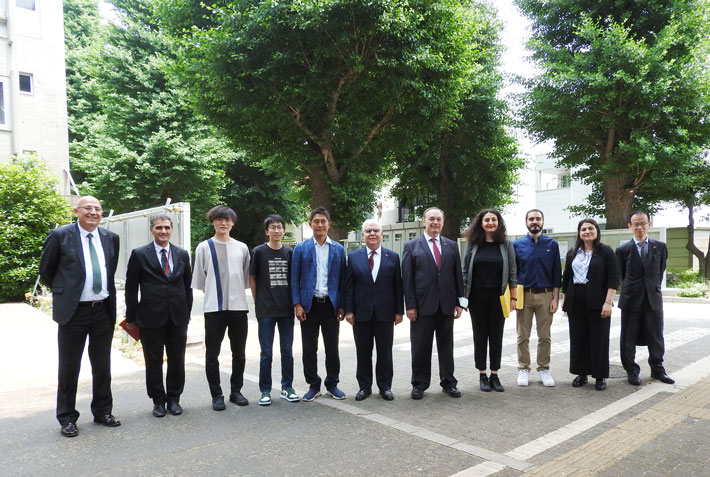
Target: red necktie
437 254
371 260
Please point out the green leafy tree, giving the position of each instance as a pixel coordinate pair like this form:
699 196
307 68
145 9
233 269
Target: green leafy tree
30 206
332 90
623 92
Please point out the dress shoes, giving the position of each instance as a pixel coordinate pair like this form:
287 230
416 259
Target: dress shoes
362 394
495 383
579 381
633 378
238 399
387 395
417 393
174 408
485 384
453 391
70 430
600 385
159 409
108 420
663 377
218 403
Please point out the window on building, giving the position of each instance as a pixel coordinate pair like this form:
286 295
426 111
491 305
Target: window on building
26 4
3 102
405 213
25 83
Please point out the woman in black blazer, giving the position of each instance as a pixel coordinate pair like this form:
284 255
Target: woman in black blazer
489 267
589 284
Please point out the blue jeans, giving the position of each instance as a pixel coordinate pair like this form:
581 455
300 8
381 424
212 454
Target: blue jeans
266 340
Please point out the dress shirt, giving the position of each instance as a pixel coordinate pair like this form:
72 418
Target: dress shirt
638 245
322 252
87 294
431 245
375 261
580 266
538 262
158 248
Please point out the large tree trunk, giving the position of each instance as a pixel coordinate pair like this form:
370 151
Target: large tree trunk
322 196
447 194
703 259
618 200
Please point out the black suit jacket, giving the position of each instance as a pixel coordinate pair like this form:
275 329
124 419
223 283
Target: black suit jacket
637 279
61 267
367 299
161 297
425 287
603 274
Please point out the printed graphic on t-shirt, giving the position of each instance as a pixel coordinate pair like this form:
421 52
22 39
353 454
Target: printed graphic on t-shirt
278 270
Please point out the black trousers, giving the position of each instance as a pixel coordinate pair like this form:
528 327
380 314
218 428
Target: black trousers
488 322
321 318
172 339
96 323
650 324
589 339
421 333
236 326
367 333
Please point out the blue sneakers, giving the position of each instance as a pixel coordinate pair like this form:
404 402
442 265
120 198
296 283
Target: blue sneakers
335 393
311 395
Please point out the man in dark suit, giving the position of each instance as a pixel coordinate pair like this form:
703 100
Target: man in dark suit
433 284
643 262
78 263
162 272
373 302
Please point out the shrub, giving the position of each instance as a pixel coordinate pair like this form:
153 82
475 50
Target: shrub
30 206
694 290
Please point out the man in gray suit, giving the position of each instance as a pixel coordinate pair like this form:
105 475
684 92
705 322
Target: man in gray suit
78 263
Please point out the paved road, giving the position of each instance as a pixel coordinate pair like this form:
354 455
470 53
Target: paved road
655 429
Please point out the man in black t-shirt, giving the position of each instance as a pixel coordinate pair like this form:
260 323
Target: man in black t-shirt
270 282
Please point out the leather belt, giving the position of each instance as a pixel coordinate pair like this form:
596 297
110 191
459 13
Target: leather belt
535 291
91 304
320 299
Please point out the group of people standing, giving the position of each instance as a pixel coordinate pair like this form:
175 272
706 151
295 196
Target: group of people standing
371 292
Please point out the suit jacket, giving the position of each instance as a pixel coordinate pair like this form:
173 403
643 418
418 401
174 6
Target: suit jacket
510 269
380 299
426 287
161 297
638 279
603 274
61 267
303 274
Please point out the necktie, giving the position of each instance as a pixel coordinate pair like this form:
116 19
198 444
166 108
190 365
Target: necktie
437 254
95 268
644 250
371 259
164 261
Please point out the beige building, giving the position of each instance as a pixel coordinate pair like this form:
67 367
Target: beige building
33 94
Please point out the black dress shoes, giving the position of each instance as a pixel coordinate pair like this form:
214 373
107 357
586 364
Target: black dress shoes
70 430
579 381
238 399
495 383
174 408
387 395
485 384
218 403
600 385
663 377
453 391
108 420
633 378
159 410
363 394
417 393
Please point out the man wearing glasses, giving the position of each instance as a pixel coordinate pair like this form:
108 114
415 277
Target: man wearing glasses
643 262
78 263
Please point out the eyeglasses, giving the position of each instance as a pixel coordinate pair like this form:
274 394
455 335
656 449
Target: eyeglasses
90 208
639 224
370 231
275 228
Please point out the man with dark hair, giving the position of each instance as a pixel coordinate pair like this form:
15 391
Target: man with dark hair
317 278
222 270
78 263
540 272
643 263
162 272
433 286
270 280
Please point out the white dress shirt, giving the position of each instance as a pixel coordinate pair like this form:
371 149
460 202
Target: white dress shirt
87 293
158 249
375 261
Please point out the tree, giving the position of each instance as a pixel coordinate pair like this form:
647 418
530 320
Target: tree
330 89
623 93
30 206
470 163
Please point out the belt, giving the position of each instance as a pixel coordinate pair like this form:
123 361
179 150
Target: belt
91 304
320 299
535 291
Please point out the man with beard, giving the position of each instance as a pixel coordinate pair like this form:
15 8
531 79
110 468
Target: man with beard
540 273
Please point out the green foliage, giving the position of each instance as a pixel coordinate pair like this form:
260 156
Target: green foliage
694 290
30 206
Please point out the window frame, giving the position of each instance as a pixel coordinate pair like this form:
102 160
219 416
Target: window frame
32 83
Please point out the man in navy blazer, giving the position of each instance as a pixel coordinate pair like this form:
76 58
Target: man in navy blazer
433 283
373 305
78 263
162 272
643 262
317 278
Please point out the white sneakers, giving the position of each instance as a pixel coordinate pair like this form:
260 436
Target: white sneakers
546 378
523 377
